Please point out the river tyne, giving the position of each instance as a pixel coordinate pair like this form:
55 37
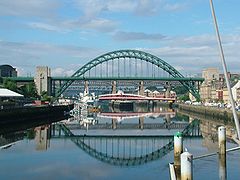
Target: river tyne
113 144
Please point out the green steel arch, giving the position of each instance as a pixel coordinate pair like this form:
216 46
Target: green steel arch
127 161
141 55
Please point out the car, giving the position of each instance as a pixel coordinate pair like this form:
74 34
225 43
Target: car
188 102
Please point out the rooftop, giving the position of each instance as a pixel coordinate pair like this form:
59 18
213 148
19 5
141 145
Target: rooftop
8 93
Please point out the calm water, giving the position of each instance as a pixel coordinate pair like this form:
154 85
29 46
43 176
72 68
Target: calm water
108 148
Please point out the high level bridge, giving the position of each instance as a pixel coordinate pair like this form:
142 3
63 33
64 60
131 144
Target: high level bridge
129 69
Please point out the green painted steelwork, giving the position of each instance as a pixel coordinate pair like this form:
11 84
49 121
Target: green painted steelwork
31 79
20 79
109 158
136 54
126 78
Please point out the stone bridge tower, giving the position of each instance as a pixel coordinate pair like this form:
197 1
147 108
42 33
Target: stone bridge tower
42 79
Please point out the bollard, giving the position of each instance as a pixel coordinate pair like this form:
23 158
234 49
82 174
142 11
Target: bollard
222 152
178 148
222 140
222 167
186 166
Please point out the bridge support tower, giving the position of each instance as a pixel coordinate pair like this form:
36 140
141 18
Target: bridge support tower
114 123
86 88
168 89
43 79
114 87
141 123
141 88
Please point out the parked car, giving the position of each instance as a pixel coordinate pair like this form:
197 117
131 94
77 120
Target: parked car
188 102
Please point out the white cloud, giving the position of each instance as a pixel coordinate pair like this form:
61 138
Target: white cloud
147 8
99 24
46 15
20 71
194 53
175 7
47 27
187 54
39 8
62 72
26 56
93 8
134 36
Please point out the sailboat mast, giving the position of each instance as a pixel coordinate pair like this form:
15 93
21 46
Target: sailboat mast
225 71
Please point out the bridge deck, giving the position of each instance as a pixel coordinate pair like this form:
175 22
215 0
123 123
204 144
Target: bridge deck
137 136
29 79
130 126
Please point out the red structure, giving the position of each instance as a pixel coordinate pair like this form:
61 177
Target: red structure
133 97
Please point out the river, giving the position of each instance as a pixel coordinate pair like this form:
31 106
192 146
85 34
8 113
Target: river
112 144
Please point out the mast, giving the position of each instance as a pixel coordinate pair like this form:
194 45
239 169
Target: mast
225 71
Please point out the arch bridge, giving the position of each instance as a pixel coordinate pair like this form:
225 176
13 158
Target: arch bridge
125 68
125 150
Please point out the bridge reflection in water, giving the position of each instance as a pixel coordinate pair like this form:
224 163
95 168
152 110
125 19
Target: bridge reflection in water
124 150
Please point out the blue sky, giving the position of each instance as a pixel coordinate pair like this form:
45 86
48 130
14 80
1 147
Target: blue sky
66 34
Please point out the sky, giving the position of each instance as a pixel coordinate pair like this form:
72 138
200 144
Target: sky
66 34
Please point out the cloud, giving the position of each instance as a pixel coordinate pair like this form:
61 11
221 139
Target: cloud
62 72
47 27
193 53
99 24
188 54
20 71
136 36
147 8
175 7
93 8
37 8
89 15
26 56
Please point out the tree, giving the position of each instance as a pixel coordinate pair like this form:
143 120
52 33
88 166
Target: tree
184 97
10 84
180 90
29 90
45 97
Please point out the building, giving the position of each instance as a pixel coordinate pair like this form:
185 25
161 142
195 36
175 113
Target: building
236 91
231 76
7 71
9 99
210 74
214 88
235 88
205 92
42 138
42 79
225 96
210 84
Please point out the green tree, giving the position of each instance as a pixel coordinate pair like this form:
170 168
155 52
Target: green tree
180 90
10 84
184 97
29 90
45 97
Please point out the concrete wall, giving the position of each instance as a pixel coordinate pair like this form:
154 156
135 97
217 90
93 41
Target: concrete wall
206 111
